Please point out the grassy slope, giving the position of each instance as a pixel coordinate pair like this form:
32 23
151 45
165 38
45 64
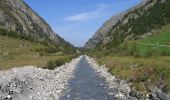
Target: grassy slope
18 53
163 38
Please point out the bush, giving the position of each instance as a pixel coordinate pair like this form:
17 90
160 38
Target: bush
3 32
52 64
164 53
137 54
155 51
146 54
151 52
133 51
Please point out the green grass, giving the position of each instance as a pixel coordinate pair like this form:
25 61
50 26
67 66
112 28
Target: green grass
18 53
52 64
163 35
162 38
144 72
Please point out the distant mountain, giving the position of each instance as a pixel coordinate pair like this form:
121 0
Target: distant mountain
17 16
136 23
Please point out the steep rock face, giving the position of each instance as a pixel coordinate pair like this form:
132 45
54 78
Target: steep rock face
17 16
136 23
103 31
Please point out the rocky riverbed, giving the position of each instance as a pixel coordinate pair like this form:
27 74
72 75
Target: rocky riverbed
73 80
32 83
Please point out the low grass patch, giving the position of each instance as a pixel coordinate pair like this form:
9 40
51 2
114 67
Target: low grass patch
52 64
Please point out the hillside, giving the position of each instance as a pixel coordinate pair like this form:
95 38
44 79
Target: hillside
17 16
136 23
18 53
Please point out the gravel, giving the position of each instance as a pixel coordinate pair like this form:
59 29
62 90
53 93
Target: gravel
32 83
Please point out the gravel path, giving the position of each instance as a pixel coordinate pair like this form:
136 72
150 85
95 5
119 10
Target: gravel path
81 79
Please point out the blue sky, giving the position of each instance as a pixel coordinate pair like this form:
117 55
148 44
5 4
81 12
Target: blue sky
77 20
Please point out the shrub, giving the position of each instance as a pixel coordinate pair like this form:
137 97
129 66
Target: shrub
52 64
136 54
164 53
146 54
133 51
155 52
132 48
3 32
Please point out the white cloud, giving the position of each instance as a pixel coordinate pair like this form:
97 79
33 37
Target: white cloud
88 15
81 16
97 13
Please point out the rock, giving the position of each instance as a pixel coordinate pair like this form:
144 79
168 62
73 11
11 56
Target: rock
151 96
9 97
163 96
133 94
160 94
124 87
31 97
120 96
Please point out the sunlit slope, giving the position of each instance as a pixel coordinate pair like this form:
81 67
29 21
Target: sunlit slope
18 53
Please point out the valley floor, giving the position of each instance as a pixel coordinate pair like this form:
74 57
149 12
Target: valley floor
81 79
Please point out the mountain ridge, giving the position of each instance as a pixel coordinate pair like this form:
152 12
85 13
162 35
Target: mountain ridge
17 16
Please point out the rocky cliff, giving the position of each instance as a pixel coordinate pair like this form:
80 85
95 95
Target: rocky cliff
136 23
17 16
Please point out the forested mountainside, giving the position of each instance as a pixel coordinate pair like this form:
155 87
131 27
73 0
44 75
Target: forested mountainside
17 19
136 23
